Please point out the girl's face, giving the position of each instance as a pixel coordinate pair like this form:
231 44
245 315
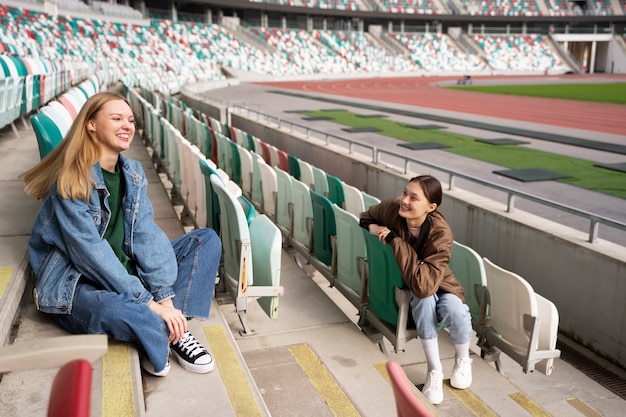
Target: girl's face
114 126
414 206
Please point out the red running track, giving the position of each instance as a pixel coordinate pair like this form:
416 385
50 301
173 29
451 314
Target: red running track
423 92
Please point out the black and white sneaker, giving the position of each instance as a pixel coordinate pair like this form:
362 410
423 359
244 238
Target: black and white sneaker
191 355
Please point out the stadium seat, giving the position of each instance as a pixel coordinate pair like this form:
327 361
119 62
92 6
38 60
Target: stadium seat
245 160
266 257
284 202
294 166
256 191
369 200
351 255
70 395
47 133
353 199
224 153
269 187
467 266
302 219
388 307
324 229
519 322
235 162
320 181
238 265
212 206
306 173
409 401
59 115
335 190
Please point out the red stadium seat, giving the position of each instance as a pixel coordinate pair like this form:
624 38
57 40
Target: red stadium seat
408 404
70 395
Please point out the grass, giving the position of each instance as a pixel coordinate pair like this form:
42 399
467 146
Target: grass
604 93
583 172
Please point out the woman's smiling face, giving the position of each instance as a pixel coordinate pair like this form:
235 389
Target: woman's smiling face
114 126
414 206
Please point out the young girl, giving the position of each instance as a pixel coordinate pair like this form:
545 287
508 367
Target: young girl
421 240
101 262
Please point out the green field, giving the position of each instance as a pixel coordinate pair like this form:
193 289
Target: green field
583 172
604 93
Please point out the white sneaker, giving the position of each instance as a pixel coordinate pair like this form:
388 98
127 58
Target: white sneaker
461 373
433 387
147 366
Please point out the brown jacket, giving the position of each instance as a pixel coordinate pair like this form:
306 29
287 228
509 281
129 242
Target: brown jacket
424 260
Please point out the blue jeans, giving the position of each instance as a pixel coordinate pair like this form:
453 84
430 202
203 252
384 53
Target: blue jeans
444 309
98 311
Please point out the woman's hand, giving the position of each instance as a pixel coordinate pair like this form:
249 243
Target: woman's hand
174 319
380 231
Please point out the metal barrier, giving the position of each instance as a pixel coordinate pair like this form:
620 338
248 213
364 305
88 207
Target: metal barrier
376 154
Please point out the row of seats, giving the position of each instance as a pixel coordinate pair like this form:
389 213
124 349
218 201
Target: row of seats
470 7
27 83
252 250
317 214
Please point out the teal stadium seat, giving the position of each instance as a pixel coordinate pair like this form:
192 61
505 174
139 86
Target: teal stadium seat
383 277
47 133
235 162
388 295
294 166
324 228
212 203
335 190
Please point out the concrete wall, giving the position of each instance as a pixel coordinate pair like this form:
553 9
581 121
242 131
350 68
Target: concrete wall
587 282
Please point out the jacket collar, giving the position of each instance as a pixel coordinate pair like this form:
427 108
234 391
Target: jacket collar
129 172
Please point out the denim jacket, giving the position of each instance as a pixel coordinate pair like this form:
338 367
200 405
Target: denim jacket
67 243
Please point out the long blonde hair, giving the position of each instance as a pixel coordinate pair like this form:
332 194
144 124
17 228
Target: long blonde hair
71 161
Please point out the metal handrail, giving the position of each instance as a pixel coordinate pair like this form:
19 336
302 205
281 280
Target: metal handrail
375 154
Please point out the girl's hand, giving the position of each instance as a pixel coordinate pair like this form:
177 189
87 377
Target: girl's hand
380 231
174 319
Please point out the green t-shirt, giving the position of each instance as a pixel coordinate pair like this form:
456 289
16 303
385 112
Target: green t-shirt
114 234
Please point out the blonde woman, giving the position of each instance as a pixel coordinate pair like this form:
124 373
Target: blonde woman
421 240
101 262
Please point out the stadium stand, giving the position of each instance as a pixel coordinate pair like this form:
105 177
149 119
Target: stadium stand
411 6
365 54
434 52
502 8
518 52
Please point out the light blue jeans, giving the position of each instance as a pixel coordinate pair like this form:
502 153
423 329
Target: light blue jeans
443 309
98 311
